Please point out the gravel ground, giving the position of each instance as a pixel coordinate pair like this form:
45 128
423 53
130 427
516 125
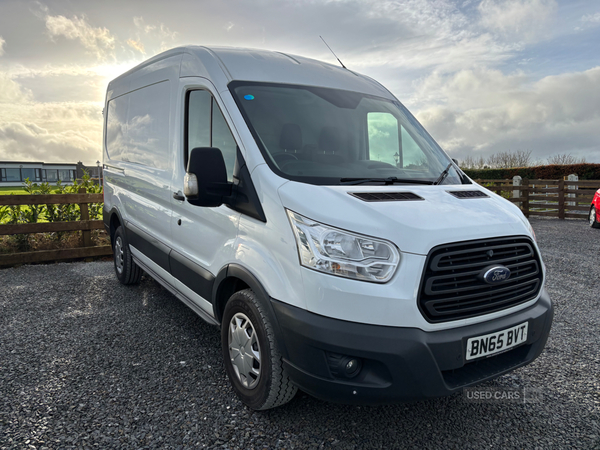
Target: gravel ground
86 362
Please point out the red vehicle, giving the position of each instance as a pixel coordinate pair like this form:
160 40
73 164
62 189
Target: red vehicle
595 211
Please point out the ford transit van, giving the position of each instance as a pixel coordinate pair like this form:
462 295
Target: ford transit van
302 209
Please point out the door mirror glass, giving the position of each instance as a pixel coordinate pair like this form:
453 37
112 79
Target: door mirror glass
206 179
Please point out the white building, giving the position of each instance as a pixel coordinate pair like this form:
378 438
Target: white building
14 173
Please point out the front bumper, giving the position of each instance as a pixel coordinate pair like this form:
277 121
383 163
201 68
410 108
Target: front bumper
398 364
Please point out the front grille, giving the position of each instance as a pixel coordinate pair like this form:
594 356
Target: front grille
453 288
468 194
385 196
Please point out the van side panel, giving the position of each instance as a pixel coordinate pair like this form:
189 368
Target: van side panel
138 154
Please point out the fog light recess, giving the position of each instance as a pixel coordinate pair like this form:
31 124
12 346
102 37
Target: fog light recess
343 366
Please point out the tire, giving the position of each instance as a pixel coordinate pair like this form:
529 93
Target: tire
594 218
127 271
252 359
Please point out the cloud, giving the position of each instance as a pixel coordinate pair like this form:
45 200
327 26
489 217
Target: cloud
518 19
11 92
51 131
160 30
486 111
98 41
136 45
454 62
37 131
31 142
386 35
591 18
440 16
469 88
158 37
2 42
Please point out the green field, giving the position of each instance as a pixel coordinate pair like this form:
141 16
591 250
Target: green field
7 190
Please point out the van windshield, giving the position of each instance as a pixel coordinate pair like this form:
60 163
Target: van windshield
330 136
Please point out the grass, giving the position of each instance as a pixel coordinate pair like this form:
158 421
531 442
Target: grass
15 190
7 190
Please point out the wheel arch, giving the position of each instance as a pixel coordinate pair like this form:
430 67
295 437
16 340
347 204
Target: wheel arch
233 278
112 221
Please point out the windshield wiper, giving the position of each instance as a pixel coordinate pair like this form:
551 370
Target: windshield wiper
444 174
387 181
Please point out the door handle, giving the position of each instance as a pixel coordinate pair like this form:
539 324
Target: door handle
178 196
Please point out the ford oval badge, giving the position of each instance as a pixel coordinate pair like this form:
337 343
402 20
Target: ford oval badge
496 274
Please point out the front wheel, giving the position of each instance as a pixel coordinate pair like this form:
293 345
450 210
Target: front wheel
594 218
252 359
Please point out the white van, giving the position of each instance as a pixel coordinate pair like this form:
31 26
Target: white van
302 209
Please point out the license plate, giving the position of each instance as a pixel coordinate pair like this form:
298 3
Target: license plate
497 342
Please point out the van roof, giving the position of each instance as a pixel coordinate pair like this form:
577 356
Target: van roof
222 65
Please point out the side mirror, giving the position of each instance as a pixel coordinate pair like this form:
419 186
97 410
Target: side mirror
205 182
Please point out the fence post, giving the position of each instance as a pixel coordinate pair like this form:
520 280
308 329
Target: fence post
517 192
86 235
561 199
525 184
572 177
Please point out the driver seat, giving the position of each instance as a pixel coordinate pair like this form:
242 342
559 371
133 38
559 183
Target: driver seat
290 139
330 144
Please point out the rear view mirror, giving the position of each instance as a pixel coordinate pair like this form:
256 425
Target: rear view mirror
205 183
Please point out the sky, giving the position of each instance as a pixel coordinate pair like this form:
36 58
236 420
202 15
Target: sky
482 76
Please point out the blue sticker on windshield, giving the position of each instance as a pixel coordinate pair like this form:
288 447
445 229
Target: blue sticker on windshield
249 97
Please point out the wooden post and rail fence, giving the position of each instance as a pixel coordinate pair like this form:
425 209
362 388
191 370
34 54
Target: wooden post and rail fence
566 198
85 225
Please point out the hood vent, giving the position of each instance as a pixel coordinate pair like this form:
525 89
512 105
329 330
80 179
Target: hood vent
385 196
468 194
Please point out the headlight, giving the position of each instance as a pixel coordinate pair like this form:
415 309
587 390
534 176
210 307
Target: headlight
341 253
530 229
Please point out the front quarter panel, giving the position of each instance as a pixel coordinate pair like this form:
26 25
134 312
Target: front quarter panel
268 250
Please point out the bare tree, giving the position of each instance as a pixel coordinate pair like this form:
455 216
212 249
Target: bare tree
480 163
522 158
509 160
501 160
471 162
565 159
467 163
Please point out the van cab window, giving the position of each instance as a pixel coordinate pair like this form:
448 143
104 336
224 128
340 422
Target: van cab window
206 127
384 142
330 136
388 145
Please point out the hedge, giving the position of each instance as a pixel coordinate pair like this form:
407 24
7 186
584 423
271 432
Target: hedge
548 172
